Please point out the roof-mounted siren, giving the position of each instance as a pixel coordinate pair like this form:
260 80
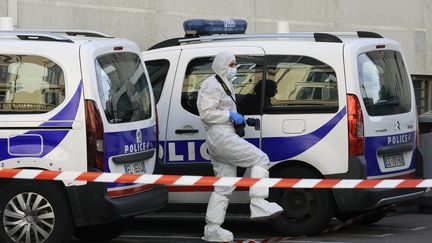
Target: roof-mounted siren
201 27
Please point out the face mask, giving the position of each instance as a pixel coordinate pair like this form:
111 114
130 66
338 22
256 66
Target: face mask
231 73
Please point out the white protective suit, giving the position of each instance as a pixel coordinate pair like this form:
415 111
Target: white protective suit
227 151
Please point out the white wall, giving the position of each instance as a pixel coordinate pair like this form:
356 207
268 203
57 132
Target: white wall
3 8
150 21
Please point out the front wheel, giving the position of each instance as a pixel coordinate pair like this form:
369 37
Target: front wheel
33 211
306 211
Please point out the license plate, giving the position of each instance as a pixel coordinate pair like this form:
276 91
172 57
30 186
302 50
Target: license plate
395 160
135 168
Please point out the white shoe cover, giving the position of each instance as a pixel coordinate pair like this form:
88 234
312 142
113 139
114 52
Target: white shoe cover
262 209
215 233
259 192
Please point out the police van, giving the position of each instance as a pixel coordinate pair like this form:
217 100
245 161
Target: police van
341 106
74 101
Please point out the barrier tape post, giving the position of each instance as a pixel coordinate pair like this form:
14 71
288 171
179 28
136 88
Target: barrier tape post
178 180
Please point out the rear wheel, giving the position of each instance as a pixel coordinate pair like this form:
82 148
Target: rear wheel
33 211
306 211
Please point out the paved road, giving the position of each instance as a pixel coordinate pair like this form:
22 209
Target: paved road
406 226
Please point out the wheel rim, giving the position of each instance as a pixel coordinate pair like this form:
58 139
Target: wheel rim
299 204
28 217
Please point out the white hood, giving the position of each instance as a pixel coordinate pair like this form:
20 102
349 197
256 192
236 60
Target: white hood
220 64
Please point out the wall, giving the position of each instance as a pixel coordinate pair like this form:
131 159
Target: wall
149 21
3 8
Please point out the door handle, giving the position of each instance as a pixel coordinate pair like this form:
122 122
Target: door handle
183 131
254 122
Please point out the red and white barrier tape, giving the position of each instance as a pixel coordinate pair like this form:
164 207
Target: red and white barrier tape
179 180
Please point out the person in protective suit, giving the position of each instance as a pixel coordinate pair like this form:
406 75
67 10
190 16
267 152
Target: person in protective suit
227 150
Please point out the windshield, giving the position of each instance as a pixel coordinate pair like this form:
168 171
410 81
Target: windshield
384 83
123 88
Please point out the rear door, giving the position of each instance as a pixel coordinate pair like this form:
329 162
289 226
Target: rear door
389 111
125 101
306 116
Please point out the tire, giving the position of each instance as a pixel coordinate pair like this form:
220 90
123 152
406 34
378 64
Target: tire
39 206
103 232
306 211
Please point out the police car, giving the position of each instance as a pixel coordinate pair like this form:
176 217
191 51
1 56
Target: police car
74 101
343 107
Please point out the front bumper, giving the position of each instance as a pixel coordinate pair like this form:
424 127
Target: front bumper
91 206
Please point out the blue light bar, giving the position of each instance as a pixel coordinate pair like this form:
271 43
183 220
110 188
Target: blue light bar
200 27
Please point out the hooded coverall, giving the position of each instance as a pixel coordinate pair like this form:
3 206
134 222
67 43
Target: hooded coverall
227 151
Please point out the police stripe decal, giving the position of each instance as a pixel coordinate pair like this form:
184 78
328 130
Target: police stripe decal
51 139
277 148
283 148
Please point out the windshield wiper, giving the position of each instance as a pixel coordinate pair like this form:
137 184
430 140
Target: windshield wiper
124 110
391 102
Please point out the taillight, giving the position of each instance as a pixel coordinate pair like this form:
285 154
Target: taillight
95 136
355 127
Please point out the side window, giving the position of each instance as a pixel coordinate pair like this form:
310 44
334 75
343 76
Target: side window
157 70
300 82
249 73
123 87
30 84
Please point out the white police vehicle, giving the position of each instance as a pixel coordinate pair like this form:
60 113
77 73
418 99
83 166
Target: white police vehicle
335 105
74 101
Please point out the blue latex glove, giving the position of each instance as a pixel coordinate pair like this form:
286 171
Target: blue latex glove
236 118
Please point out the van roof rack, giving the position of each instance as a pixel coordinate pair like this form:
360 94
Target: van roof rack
167 43
297 35
334 37
72 32
368 34
35 36
318 37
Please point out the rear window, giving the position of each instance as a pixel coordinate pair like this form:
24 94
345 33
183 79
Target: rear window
384 83
123 87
